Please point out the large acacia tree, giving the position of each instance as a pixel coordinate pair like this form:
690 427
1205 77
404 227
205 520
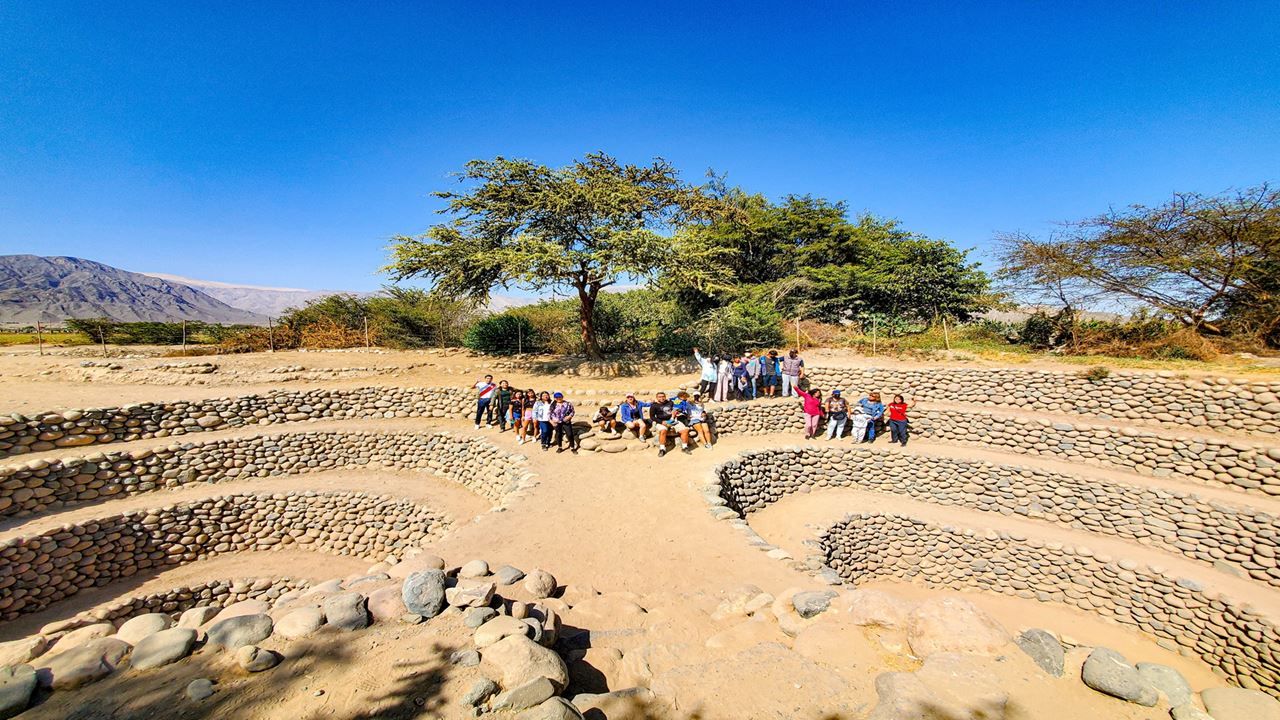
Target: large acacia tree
581 227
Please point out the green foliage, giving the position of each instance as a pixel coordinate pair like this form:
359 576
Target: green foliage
582 227
148 333
1096 374
502 334
747 323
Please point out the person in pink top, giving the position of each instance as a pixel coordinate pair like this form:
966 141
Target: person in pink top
812 412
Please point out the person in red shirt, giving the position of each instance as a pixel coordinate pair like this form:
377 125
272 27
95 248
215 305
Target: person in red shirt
897 412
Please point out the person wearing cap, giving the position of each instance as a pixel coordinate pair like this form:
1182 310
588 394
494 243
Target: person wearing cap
562 422
837 415
664 415
707 381
631 413
770 373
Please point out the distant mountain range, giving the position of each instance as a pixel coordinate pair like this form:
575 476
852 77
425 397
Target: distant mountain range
52 289
269 301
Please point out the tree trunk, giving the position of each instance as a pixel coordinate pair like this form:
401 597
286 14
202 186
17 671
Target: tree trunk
586 318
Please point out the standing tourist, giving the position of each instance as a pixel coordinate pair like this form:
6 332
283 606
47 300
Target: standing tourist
753 377
486 388
812 412
530 425
542 416
771 373
792 371
874 409
740 378
724 380
501 405
663 414
562 420
898 419
837 415
707 381
517 412
631 413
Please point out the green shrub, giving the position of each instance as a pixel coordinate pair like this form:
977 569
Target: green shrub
502 334
1096 374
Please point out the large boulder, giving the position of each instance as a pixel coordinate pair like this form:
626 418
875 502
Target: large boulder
17 652
1042 647
162 648
498 628
17 684
470 593
83 636
346 611
240 630
1168 681
954 625
540 584
88 663
197 616
423 592
136 628
946 687
1228 703
1107 671
521 660
242 608
299 623
386 604
557 708
874 608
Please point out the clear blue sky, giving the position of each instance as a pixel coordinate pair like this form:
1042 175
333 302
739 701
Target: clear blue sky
282 143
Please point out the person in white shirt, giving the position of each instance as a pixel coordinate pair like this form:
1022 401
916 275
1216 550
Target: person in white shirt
486 388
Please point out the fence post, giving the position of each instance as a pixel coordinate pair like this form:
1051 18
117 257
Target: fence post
102 337
271 334
798 334
946 338
40 337
184 337
366 332
519 338
875 321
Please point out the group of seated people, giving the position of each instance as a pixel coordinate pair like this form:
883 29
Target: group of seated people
548 418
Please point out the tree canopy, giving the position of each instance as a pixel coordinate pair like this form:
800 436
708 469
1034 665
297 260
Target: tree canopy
1201 259
583 226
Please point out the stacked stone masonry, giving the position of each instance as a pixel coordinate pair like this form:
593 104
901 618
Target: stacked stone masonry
38 485
214 593
1235 463
1241 645
1220 403
40 570
1204 530
74 428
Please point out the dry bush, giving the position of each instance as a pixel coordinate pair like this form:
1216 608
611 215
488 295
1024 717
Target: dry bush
1182 344
260 339
327 334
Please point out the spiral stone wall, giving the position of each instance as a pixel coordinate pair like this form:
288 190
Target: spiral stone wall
215 593
38 485
1233 463
42 569
1163 397
79 427
1203 530
1236 641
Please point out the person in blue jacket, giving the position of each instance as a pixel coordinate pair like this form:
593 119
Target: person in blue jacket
631 414
874 409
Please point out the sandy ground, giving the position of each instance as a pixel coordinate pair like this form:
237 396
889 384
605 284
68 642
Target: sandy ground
632 523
